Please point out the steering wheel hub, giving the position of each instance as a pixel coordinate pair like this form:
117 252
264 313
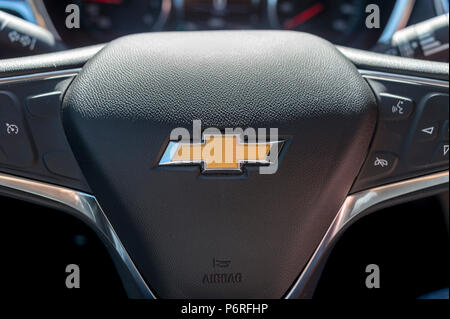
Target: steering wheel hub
221 235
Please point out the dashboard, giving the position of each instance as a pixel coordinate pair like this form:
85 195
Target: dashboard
340 21
343 22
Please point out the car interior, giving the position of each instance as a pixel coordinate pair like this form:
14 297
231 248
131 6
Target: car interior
225 149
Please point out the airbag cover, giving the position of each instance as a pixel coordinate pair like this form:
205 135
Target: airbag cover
118 114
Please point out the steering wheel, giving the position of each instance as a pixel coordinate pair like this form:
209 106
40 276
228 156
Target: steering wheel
89 131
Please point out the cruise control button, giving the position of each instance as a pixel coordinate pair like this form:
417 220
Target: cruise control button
13 138
379 164
441 154
395 107
10 130
15 143
427 131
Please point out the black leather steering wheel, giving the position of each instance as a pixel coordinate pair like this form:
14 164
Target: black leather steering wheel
85 131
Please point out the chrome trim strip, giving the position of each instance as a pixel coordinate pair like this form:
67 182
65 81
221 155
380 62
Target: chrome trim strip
398 20
85 206
40 76
393 77
354 206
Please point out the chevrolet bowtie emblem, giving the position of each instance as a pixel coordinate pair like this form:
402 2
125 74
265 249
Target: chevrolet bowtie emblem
221 153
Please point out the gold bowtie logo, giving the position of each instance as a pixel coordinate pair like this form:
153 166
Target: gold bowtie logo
221 153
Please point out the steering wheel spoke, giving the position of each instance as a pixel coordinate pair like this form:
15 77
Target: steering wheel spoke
32 140
412 135
37 163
